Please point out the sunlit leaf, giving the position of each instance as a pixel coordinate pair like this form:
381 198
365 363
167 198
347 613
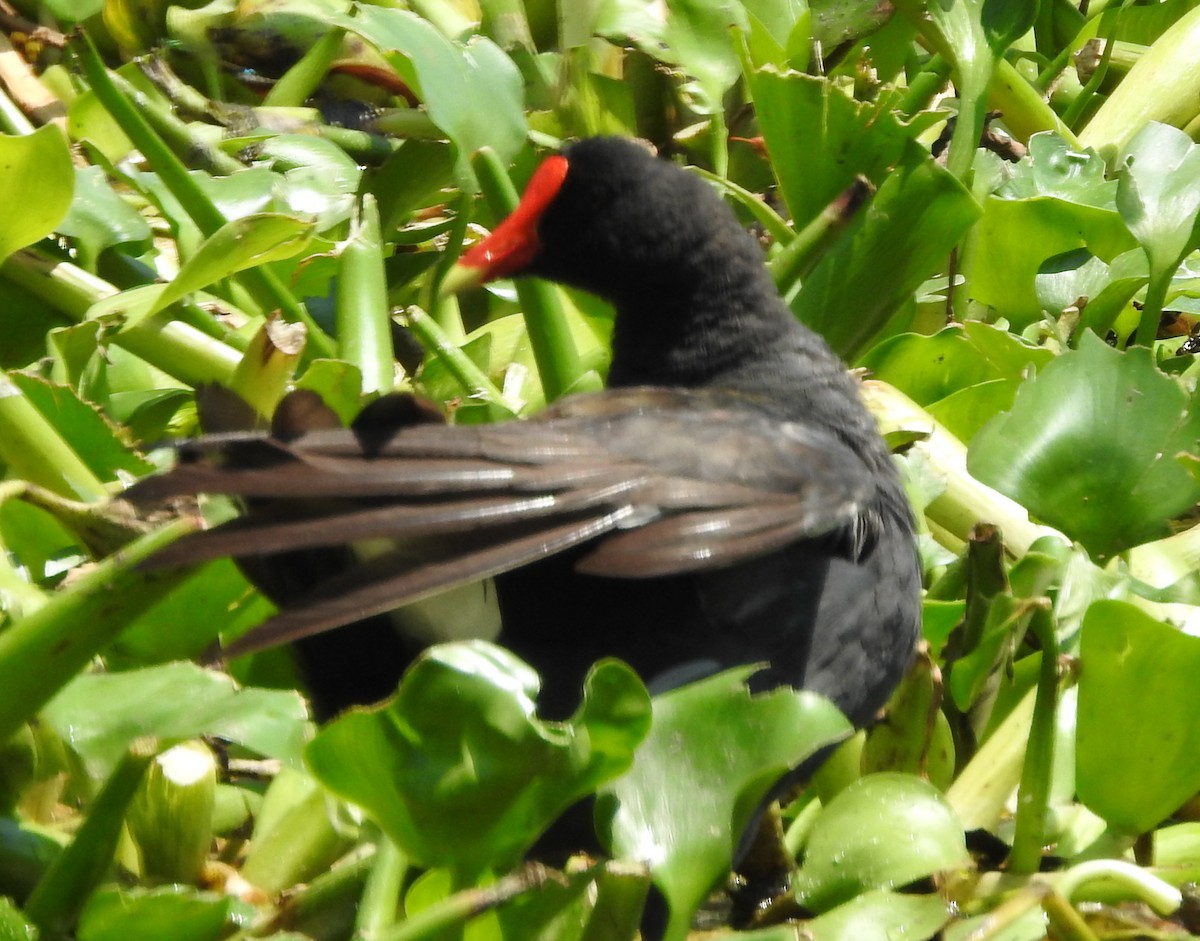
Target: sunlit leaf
471 90
1138 744
458 769
36 183
713 753
100 714
882 832
1089 447
237 245
176 912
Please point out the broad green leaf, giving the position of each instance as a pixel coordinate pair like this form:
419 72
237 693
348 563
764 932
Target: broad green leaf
1137 742
175 912
889 250
1090 447
99 714
1056 202
1101 291
964 374
245 242
1158 192
91 435
882 832
36 184
819 139
713 754
1057 168
319 179
471 90
835 22
99 219
878 915
459 770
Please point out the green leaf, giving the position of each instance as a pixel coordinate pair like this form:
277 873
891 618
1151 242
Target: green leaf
175 912
246 242
1137 742
100 714
964 375
472 91
820 138
878 915
36 183
99 219
697 35
882 832
90 434
893 245
713 754
1158 193
1089 447
1057 201
458 769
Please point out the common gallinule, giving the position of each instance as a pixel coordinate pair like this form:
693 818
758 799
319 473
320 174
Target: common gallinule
727 500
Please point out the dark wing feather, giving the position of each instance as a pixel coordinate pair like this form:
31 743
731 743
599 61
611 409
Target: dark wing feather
662 481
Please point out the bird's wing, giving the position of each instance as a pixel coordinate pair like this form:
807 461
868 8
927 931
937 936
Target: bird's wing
660 481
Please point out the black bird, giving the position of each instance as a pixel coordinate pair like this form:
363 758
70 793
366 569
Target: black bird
727 500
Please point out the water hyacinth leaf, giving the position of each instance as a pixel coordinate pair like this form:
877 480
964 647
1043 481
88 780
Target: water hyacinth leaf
882 832
930 368
91 436
894 244
99 219
1137 764
99 714
878 915
1090 447
37 163
1158 195
138 914
472 91
1100 291
1016 238
713 753
459 770
1057 168
246 242
820 139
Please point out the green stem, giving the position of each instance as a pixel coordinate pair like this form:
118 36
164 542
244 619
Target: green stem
381 897
175 133
262 282
1066 923
461 907
1137 882
299 82
177 347
477 386
61 893
364 326
801 254
1033 794
12 118
34 450
1156 297
80 620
